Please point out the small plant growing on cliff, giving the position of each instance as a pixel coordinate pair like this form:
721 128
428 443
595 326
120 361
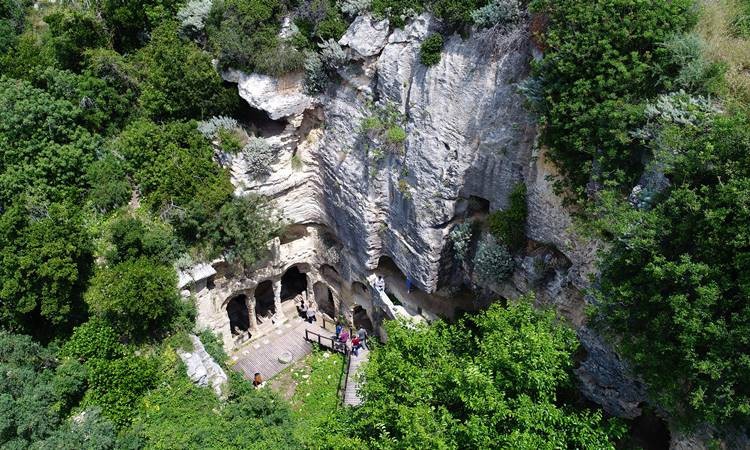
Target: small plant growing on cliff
353 8
497 13
429 53
316 77
385 126
460 236
493 262
192 17
509 226
331 53
404 188
259 156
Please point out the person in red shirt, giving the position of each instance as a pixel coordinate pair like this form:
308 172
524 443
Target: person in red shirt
356 345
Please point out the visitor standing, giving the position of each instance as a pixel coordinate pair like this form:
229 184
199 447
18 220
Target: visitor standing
355 345
380 283
311 313
338 330
257 380
362 335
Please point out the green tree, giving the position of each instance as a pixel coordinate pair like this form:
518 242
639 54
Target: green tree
602 60
131 21
72 31
132 238
178 80
490 381
138 297
46 256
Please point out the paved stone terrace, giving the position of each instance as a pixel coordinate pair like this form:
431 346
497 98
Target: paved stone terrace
262 355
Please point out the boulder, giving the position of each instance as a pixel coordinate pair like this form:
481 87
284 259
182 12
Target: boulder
366 36
280 97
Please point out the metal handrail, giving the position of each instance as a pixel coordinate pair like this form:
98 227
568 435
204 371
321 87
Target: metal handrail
347 368
319 338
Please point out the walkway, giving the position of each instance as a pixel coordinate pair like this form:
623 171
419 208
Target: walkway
286 343
351 395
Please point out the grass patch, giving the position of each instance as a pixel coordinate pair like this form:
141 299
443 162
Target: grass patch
311 386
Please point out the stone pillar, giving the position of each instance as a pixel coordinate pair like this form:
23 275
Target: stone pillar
311 292
277 299
250 303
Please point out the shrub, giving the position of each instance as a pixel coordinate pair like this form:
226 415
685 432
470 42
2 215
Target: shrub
497 13
696 73
192 17
137 296
93 339
353 8
109 189
397 11
395 135
73 31
316 77
509 226
178 79
460 236
259 155
210 128
493 262
429 53
133 238
332 55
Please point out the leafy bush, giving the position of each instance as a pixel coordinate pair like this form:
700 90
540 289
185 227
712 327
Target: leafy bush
259 155
509 226
131 21
353 8
91 340
72 32
133 238
44 262
192 17
385 126
493 262
429 52
397 11
460 236
138 297
210 128
244 35
241 229
395 135
109 189
214 346
497 13
332 55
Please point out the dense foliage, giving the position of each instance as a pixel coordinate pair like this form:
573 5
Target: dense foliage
509 225
603 59
429 52
494 380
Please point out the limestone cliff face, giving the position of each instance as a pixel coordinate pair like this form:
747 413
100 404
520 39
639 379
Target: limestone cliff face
469 140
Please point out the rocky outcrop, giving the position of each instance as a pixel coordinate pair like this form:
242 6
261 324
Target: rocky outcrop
278 97
366 36
201 367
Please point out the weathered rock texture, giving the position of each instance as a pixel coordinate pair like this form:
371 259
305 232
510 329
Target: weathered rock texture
201 367
469 142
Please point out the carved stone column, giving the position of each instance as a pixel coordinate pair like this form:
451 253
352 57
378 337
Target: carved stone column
250 303
277 299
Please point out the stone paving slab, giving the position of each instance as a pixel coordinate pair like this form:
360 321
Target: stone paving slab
263 354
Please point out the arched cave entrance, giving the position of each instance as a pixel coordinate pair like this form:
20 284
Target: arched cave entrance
239 317
324 298
293 283
264 306
361 319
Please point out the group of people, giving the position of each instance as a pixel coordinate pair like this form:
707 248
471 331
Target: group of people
359 340
308 311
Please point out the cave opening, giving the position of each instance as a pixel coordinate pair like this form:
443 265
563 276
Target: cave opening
239 316
324 299
293 283
264 305
361 319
